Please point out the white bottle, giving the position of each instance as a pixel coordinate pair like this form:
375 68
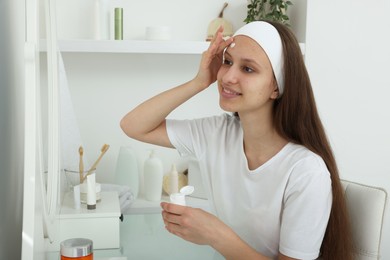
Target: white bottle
126 171
173 180
91 191
153 178
102 20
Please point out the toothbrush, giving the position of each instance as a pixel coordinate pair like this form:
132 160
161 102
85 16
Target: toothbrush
103 151
81 163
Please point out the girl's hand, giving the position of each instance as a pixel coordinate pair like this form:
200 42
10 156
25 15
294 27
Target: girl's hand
212 60
194 225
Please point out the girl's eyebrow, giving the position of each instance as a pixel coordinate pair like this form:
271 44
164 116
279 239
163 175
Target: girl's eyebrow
249 60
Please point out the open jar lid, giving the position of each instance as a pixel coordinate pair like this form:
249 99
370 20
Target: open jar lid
187 190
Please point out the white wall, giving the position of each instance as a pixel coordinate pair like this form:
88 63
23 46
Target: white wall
348 57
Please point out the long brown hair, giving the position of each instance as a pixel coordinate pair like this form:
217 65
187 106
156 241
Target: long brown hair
296 118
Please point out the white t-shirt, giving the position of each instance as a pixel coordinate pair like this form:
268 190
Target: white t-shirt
283 205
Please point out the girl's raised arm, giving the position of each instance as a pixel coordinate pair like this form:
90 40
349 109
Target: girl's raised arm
146 122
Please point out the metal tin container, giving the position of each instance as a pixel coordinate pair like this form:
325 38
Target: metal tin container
77 248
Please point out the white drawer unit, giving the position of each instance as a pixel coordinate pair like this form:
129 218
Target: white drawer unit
101 225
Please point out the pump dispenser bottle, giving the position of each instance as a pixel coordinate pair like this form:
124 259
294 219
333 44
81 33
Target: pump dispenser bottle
153 178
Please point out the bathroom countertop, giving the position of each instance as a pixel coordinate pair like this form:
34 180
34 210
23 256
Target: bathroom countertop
143 236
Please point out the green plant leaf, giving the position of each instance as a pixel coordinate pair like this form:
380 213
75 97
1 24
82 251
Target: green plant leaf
274 10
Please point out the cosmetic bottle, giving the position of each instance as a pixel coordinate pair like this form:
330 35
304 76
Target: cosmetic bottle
118 23
101 20
91 191
153 178
173 180
76 197
126 171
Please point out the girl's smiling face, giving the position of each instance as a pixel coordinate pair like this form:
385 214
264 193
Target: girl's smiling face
246 81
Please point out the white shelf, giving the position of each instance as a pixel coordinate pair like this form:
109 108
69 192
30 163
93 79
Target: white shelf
125 46
132 46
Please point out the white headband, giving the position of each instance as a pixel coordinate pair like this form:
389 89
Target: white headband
269 39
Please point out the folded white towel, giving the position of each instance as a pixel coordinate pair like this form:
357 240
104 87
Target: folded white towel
121 189
125 194
125 205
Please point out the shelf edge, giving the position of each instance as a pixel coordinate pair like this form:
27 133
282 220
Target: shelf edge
142 47
134 47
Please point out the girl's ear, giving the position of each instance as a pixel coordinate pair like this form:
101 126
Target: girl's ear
275 93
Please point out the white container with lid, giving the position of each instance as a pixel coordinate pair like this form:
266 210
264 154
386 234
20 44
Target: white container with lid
180 198
158 33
